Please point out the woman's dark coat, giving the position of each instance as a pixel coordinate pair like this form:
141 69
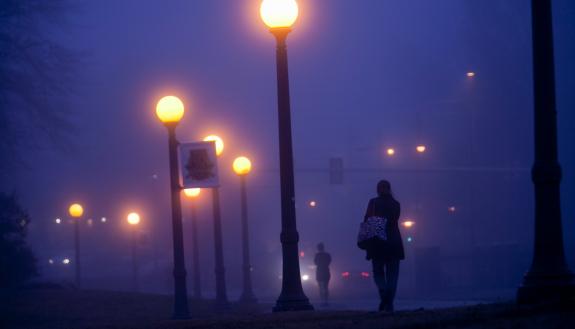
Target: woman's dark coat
392 249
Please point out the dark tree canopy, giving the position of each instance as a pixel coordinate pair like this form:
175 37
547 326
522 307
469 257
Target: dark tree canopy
17 263
35 75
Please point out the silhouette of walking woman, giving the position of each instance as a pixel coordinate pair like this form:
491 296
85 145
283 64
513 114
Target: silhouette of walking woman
385 255
322 260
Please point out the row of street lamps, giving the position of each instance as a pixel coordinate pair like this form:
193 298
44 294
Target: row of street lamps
170 111
242 167
279 16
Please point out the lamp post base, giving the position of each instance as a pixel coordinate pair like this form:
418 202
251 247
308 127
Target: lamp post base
248 298
222 306
291 305
540 288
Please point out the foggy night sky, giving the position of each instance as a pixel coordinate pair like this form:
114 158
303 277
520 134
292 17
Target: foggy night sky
364 75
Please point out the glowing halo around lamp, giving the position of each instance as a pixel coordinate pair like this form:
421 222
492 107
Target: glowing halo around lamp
170 109
76 210
242 166
192 192
420 148
133 218
390 151
219 143
279 13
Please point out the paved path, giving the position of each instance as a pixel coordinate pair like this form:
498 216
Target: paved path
112 310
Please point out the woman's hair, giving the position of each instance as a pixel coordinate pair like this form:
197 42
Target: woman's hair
384 188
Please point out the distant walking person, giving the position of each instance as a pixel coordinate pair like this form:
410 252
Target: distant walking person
322 260
385 255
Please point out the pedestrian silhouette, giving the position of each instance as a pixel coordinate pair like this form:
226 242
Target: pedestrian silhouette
322 275
385 255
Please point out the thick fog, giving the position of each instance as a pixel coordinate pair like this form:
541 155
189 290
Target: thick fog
365 76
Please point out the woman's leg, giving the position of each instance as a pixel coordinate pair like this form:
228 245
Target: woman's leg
391 278
380 281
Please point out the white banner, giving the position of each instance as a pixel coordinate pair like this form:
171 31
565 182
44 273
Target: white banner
199 165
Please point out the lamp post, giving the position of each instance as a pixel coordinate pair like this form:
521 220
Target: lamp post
221 295
193 193
242 167
279 16
76 211
133 219
549 277
170 111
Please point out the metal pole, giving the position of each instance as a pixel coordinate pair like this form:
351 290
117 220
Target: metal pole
221 295
196 253
248 294
77 252
135 283
180 292
292 297
549 277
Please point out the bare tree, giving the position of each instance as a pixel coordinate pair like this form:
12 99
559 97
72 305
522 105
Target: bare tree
35 76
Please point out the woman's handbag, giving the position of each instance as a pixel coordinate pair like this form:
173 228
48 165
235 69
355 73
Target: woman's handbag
373 228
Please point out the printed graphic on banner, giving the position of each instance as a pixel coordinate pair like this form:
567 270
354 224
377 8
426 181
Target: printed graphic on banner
199 165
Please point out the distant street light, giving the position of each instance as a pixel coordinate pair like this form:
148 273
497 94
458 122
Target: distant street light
133 219
408 223
279 16
170 111
420 148
390 151
76 211
470 74
192 194
222 303
242 167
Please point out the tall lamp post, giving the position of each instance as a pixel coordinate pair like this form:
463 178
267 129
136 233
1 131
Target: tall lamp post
192 194
170 111
133 219
221 295
279 16
549 277
76 211
242 167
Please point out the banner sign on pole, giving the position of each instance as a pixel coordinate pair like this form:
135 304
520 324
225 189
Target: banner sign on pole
199 165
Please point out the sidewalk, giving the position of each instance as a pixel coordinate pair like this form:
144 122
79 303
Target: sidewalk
114 310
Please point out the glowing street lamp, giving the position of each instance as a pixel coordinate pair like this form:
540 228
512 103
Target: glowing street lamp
133 219
390 151
470 74
221 294
76 211
219 143
170 111
192 194
408 224
420 148
242 167
279 16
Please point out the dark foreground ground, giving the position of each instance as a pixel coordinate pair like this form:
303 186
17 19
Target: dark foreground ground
98 309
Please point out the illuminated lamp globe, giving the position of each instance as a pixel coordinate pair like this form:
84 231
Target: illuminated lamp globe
192 192
242 166
76 210
279 13
219 143
133 218
170 109
420 148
